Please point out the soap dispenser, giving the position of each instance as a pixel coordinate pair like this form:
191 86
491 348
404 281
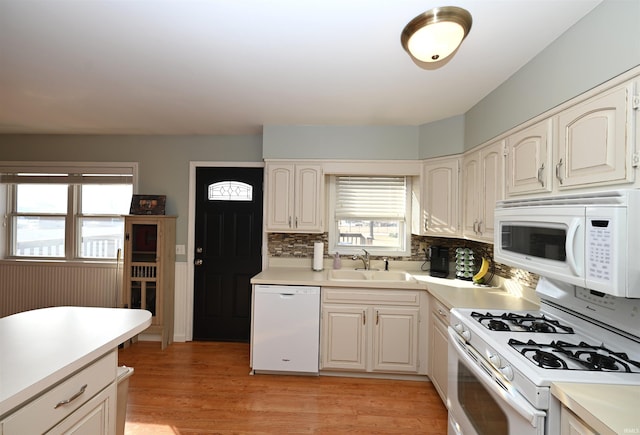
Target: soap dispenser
337 263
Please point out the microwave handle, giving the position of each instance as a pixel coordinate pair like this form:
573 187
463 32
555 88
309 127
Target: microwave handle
511 398
571 246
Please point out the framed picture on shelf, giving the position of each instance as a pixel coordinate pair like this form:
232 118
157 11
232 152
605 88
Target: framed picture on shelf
148 204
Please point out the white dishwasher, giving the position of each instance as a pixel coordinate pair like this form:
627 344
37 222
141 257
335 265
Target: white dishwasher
286 328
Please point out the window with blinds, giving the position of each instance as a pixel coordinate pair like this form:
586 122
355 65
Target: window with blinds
67 212
369 212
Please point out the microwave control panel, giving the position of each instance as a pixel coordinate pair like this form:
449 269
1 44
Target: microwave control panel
604 270
599 249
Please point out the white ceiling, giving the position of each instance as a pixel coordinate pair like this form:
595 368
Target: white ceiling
232 66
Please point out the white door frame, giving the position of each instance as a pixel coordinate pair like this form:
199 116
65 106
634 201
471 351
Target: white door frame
191 236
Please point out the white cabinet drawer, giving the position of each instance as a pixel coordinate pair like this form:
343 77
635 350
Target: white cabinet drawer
47 410
386 297
440 311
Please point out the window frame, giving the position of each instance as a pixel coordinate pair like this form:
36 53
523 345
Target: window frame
333 230
9 179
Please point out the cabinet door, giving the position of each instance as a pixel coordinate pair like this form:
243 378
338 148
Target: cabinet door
279 202
528 165
492 188
594 144
441 198
308 198
572 425
470 193
438 355
96 417
343 338
395 339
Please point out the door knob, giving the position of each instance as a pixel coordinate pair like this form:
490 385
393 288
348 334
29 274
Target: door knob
198 262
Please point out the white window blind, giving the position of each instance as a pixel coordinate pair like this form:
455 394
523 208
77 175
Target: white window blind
372 198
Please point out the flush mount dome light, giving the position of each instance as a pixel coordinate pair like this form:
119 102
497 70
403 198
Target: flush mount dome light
434 35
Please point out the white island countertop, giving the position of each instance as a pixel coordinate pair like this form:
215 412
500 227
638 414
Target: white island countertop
42 347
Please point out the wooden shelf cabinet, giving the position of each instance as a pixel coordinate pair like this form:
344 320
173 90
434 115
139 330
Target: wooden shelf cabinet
149 270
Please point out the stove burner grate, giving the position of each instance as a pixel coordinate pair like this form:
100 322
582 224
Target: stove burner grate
557 355
520 323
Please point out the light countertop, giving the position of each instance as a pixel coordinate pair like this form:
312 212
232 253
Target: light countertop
608 409
451 292
39 348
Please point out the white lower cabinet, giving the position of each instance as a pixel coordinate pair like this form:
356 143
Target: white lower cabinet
438 347
571 424
93 418
84 403
372 331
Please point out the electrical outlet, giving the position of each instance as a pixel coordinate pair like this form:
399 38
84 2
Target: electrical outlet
423 246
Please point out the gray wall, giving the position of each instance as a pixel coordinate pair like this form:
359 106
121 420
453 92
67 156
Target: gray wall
163 160
442 138
604 44
340 142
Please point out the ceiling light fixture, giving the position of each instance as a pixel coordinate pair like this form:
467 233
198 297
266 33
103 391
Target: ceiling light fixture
433 36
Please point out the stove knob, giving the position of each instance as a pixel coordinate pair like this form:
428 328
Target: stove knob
459 327
507 372
495 360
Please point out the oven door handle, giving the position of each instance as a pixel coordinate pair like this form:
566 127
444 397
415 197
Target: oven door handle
510 397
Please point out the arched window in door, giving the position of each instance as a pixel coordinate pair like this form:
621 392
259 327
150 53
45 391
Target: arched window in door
230 191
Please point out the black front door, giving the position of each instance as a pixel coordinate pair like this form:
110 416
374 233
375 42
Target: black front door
228 242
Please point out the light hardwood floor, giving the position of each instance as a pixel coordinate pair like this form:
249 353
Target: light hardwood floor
205 388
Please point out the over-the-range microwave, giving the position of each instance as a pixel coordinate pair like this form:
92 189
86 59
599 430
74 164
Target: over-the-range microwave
588 240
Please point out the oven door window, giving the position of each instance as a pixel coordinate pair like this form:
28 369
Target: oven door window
535 241
484 413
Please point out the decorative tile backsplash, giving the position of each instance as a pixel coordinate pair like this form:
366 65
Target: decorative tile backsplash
291 245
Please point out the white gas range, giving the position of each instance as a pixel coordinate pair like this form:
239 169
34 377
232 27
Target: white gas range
502 364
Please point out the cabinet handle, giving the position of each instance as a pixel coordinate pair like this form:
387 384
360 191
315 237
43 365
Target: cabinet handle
364 317
540 171
289 221
426 224
558 175
377 317
296 221
475 226
442 313
480 227
72 398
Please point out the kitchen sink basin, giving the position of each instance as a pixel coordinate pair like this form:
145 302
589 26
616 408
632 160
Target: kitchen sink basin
349 275
370 275
386 275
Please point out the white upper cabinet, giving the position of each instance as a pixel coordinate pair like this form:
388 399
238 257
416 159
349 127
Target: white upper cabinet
483 185
595 140
436 200
294 198
528 161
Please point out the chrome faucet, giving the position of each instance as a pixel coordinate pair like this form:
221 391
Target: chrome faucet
366 259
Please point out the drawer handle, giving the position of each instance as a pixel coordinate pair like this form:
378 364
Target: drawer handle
72 398
441 312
